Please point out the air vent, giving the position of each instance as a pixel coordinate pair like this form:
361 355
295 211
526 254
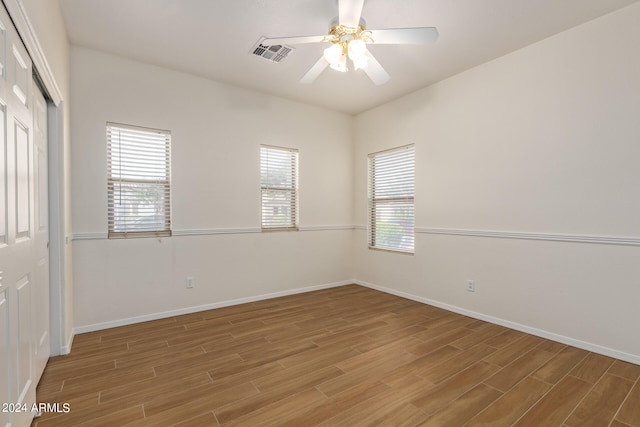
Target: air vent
275 53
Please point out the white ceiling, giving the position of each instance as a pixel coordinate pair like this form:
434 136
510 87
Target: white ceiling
213 39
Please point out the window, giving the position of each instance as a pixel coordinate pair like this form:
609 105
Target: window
391 191
138 162
279 186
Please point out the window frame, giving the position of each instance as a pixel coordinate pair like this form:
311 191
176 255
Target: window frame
292 223
114 181
374 202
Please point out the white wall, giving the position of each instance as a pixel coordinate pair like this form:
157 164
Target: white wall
48 25
526 183
540 144
216 133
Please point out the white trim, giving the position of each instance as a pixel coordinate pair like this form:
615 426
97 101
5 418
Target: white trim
552 237
215 231
574 238
30 39
58 242
325 227
188 310
631 358
89 236
212 231
66 349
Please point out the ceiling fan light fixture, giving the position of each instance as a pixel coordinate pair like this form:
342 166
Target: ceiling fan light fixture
341 64
333 53
349 37
357 50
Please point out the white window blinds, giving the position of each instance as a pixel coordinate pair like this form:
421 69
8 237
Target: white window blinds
138 162
279 187
391 205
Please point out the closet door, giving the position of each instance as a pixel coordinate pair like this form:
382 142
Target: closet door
22 269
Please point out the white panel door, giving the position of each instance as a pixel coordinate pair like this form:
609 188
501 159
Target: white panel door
23 260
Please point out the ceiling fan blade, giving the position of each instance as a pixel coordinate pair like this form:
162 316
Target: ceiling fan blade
315 71
349 12
374 70
294 40
405 35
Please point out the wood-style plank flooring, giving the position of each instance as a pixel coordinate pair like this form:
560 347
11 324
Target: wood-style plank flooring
346 356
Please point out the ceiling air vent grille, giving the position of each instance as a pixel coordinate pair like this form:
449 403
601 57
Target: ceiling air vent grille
275 53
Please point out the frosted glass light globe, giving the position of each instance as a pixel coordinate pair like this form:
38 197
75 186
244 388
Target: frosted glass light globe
341 65
357 49
333 53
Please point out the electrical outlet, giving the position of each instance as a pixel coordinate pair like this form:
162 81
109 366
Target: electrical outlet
471 285
189 282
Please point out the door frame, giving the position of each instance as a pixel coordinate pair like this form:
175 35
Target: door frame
61 309
61 324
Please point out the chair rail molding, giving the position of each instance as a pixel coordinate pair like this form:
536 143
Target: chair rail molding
554 237
99 235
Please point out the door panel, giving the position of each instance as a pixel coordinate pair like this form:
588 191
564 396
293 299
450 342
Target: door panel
3 44
23 181
22 72
5 353
3 176
25 338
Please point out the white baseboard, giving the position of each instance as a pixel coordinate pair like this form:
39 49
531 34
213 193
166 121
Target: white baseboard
631 358
62 350
67 348
188 310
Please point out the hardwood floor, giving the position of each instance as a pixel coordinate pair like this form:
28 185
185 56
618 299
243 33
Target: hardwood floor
345 356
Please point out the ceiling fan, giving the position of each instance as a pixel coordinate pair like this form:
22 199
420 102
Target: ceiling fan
349 37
